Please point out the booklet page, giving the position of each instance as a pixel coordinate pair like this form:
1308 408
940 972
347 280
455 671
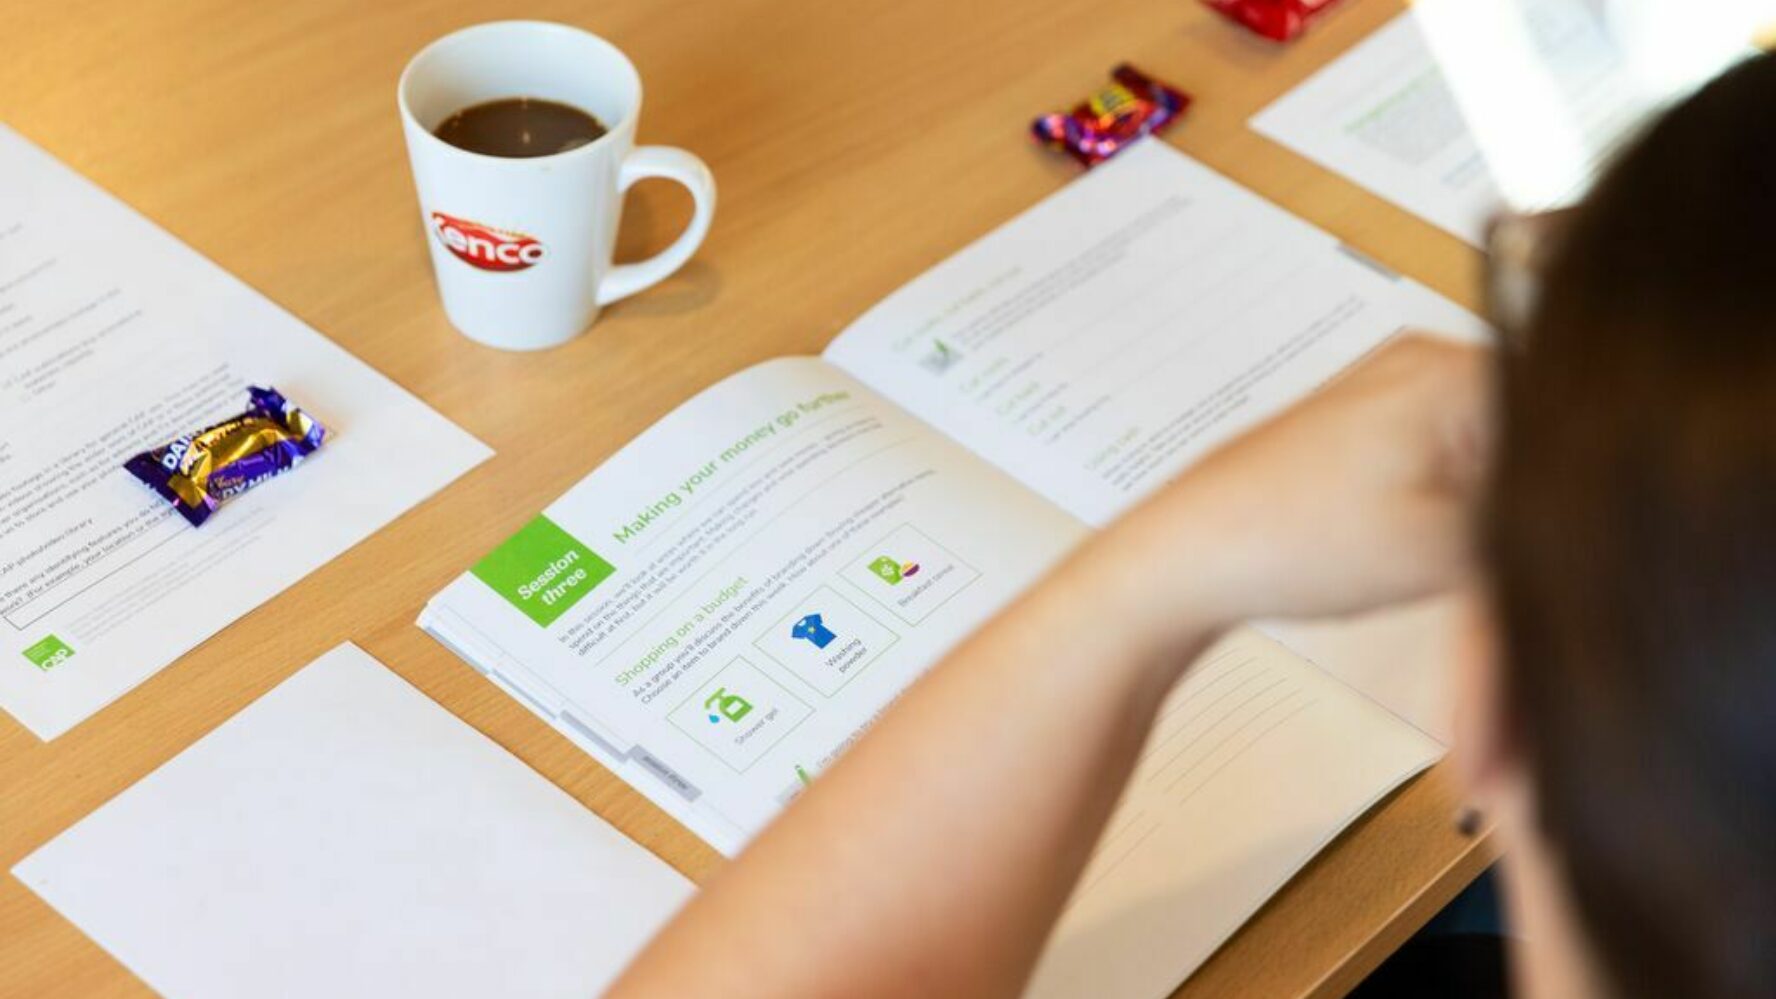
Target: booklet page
726 604
1097 344
115 338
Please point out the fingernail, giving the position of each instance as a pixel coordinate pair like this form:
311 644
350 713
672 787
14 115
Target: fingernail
1468 820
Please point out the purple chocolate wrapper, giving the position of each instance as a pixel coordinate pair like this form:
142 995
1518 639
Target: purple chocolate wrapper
199 471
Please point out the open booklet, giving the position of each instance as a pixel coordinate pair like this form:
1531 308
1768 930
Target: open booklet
731 600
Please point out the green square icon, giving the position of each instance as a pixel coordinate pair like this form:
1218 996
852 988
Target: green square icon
542 570
48 653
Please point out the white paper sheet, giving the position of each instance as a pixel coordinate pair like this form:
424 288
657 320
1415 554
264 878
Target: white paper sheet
116 337
1385 116
1382 116
1544 87
345 836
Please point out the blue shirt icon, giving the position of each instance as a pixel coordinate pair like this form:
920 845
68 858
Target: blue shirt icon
809 629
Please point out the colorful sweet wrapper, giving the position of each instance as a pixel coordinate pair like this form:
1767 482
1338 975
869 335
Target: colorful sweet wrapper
1277 20
200 471
1102 125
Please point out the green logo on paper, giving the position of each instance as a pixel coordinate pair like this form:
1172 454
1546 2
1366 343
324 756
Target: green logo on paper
542 570
49 653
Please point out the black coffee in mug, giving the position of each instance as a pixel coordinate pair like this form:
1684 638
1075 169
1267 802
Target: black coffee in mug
519 127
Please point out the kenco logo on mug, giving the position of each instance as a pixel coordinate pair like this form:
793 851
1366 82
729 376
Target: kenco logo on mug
484 246
521 232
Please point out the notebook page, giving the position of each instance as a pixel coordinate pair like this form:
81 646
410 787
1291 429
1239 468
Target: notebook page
1258 760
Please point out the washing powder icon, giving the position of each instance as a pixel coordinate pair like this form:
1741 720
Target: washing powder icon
812 629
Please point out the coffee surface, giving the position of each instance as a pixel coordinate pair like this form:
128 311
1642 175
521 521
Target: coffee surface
520 127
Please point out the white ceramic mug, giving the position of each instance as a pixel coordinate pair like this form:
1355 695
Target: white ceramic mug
522 246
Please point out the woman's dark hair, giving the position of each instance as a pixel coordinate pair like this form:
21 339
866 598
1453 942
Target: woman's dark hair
1630 532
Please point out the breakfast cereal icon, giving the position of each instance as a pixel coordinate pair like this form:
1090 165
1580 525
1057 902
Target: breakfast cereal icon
892 571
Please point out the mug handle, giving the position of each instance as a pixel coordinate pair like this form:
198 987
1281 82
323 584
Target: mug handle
672 164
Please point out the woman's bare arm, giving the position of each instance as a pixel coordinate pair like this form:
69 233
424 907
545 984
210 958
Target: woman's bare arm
933 859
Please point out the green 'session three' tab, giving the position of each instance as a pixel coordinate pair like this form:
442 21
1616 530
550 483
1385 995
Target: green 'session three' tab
542 570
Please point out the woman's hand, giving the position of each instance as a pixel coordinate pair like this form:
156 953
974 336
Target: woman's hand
1356 498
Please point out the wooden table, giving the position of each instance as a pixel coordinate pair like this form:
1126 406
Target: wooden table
855 145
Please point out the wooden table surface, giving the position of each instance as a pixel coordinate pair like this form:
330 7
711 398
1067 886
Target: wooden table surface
854 144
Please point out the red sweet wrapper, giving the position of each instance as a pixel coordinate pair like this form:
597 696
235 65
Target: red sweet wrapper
1277 20
1102 125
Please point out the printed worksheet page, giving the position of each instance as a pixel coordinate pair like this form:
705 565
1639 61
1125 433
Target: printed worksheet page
1097 344
115 338
724 606
1384 114
1544 86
